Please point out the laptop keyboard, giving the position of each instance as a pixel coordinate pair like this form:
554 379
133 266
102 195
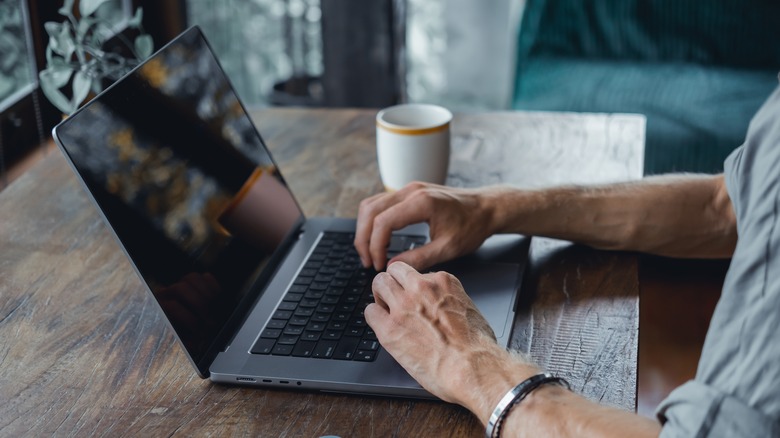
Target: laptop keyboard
321 315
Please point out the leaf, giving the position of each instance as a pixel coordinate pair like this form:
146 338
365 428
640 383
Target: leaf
137 18
57 77
60 39
81 86
67 8
88 7
84 24
54 95
143 46
53 28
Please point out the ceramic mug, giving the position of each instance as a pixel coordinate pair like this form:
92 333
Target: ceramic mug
413 144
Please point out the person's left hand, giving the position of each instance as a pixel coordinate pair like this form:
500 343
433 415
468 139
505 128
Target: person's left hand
434 330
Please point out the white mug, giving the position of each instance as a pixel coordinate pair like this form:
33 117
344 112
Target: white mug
413 144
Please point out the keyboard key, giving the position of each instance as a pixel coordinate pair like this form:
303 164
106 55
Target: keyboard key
346 349
303 349
304 311
330 299
309 302
337 325
355 331
313 265
316 326
308 272
345 307
295 330
303 281
367 344
276 324
365 355
324 349
286 305
341 316
282 350
335 291
326 308
271 333
263 346
299 320
330 270
338 283
331 262
314 294
287 340
293 297
333 335
321 317
354 293
311 336
298 288
282 314
343 275
318 286
323 278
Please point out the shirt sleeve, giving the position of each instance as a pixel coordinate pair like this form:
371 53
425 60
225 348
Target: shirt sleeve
699 410
735 392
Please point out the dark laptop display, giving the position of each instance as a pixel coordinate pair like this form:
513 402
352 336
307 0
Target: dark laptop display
181 174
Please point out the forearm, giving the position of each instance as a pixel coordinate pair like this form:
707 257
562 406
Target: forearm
550 410
678 215
553 411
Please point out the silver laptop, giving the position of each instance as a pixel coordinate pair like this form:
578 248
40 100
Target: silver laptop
256 293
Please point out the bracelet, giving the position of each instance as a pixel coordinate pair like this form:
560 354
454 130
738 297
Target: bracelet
514 396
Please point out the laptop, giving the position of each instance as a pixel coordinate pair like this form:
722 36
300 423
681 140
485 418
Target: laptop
256 293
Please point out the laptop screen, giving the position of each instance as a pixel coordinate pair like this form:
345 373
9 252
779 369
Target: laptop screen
182 176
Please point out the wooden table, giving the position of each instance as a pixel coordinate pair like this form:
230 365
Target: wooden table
84 351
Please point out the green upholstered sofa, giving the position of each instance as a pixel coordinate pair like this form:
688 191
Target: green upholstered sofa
697 69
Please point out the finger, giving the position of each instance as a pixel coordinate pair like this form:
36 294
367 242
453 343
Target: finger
379 320
411 211
386 290
405 275
425 256
369 208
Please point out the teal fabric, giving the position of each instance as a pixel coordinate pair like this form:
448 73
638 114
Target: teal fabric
696 115
698 69
731 33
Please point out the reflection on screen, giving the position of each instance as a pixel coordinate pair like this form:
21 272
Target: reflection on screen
185 181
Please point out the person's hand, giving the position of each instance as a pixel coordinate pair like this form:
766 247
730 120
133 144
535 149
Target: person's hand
459 220
434 330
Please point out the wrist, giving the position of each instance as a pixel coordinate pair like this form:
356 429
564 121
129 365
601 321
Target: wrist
489 374
497 205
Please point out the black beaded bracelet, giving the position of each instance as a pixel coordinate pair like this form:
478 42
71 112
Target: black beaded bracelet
514 396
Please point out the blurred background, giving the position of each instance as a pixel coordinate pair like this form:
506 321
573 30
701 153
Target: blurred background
333 53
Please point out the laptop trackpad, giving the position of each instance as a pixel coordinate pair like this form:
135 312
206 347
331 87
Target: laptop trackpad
492 286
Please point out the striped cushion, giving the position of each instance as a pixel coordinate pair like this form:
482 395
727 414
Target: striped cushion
736 33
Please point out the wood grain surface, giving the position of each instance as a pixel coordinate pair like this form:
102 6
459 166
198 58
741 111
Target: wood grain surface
84 351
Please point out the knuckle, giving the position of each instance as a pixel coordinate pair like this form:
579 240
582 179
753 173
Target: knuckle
416 185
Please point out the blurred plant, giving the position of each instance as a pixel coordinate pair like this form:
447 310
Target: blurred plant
14 64
75 53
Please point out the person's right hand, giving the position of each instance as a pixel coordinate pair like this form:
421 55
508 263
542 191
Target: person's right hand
459 220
